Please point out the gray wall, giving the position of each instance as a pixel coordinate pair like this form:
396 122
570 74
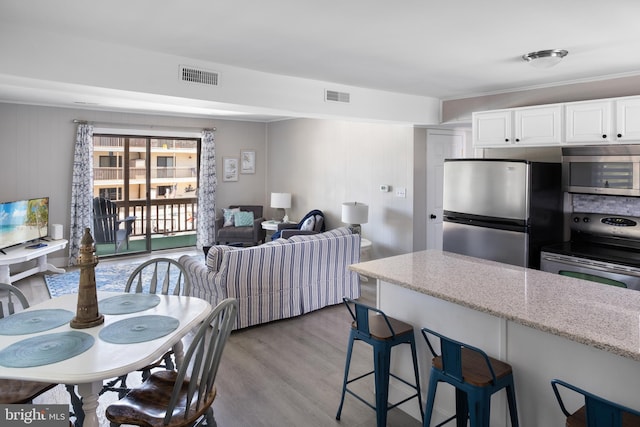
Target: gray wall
324 163
37 145
321 162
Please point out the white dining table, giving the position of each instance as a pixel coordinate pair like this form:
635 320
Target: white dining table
105 360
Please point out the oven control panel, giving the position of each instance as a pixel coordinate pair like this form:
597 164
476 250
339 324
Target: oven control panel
606 224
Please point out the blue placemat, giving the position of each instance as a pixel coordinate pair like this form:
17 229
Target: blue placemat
129 303
139 329
29 322
45 349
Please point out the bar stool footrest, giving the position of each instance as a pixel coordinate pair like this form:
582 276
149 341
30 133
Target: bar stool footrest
448 420
413 396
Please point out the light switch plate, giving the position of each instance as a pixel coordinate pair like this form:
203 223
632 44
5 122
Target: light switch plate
401 192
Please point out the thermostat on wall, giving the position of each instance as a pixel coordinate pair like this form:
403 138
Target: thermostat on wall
384 188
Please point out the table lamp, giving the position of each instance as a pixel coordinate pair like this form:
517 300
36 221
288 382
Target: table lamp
354 214
281 201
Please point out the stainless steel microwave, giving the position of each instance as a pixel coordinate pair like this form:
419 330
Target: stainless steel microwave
612 170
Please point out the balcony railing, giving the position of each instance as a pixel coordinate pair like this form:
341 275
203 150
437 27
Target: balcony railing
105 173
163 216
166 144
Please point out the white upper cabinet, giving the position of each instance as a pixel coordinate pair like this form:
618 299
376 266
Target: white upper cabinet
588 122
518 126
628 119
603 121
492 128
538 125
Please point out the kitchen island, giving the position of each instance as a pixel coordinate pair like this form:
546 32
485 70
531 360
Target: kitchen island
545 325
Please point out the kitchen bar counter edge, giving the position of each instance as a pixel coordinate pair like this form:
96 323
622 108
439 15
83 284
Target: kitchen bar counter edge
601 316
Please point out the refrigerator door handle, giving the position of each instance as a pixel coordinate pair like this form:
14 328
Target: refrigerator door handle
521 226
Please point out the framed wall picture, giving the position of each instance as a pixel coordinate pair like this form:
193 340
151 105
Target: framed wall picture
247 161
230 169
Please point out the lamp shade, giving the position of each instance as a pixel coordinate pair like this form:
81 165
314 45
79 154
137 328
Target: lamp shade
355 213
281 200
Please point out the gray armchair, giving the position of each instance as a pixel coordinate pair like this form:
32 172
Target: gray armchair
254 234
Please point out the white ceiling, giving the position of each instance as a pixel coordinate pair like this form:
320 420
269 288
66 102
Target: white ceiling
443 49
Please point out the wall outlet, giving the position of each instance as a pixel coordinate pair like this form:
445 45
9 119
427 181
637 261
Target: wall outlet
401 192
384 188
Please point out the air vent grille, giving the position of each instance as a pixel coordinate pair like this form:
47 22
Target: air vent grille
335 96
194 75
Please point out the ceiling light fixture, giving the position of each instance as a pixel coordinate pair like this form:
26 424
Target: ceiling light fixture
545 58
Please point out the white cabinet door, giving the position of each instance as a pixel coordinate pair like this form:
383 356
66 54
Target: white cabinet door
628 119
538 125
589 122
492 128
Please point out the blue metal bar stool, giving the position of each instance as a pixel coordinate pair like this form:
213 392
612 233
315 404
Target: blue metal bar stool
382 332
475 376
596 412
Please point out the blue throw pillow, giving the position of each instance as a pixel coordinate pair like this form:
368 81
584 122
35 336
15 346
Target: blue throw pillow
243 219
228 216
308 224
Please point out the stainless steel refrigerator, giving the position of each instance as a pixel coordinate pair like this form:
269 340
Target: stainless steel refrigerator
501 210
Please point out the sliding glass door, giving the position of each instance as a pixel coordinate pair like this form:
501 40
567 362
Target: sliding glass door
152 182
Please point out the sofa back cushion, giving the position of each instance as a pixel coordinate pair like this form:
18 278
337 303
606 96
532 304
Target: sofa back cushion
214 256
277 242
337 232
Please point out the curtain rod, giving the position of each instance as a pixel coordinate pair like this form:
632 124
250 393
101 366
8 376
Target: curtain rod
129 125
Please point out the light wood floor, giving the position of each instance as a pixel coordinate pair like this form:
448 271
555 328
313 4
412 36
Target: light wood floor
285 373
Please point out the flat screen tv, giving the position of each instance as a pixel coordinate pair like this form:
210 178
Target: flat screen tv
23 221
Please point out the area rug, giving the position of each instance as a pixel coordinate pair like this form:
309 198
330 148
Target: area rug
110 276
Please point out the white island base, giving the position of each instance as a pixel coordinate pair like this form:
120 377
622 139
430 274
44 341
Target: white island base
536 357
546 326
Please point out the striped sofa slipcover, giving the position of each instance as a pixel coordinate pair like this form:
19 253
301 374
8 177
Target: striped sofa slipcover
279 279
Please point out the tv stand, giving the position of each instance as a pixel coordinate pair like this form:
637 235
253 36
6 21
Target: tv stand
23 254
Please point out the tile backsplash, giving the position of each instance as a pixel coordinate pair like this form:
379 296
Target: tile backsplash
619 205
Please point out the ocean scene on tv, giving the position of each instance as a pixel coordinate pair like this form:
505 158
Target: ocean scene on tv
23 221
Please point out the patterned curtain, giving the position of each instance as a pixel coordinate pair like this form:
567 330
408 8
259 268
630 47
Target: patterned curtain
81 190
206 228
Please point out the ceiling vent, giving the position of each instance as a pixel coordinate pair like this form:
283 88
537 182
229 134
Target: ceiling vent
194 75
335 96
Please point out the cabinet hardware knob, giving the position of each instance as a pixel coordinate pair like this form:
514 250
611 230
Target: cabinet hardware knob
604 136
619 135
506 140
517 139
432 216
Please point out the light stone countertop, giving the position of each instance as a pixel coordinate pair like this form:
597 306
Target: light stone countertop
601 316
